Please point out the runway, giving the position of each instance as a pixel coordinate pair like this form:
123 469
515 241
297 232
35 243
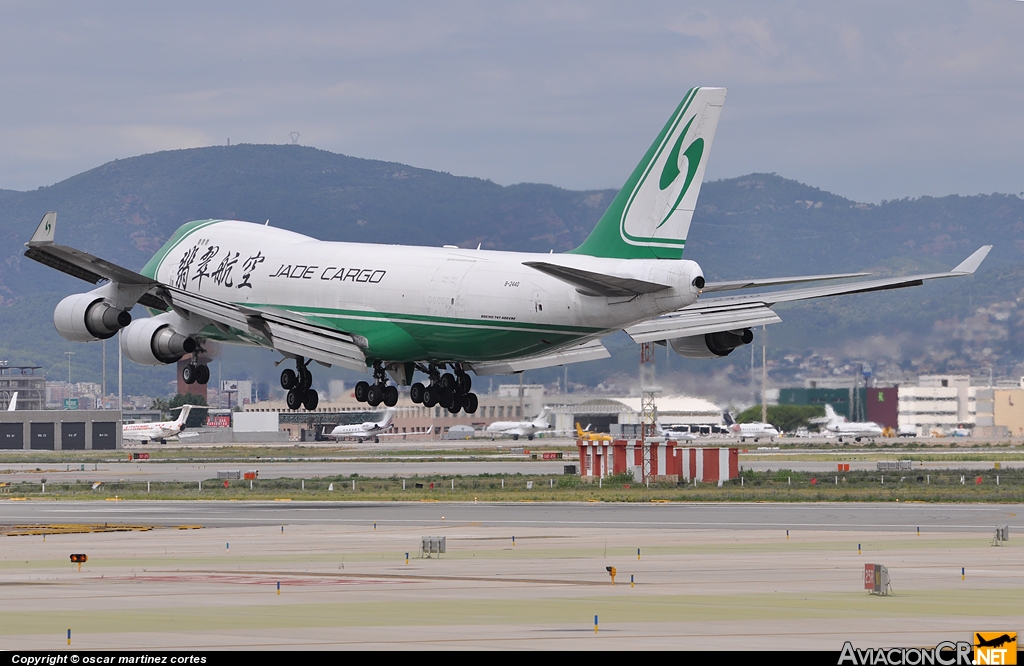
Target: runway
592 515
185 471
293 576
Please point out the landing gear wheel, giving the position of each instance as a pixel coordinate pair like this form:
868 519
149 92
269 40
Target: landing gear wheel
390 396
203 374
455 405
448 396
288 379
416 392
464 382
529 437
376 440
470 403
374 395
311 400
362 388
448 381
188 374
431 394
294 399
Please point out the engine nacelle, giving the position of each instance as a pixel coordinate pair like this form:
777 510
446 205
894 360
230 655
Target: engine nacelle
88 317
153 342
712 345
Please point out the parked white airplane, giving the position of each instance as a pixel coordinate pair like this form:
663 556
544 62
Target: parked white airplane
362 431
442 311
517 429
156 432
13 405
842 428
755 431
674 433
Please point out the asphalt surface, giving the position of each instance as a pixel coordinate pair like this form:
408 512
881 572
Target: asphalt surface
177 471
894 517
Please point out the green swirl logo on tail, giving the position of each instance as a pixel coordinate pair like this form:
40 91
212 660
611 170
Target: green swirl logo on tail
671 172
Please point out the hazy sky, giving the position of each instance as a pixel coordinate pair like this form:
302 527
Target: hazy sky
871 100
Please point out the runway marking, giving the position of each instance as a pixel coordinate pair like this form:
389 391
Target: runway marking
252 579
36 530
477 579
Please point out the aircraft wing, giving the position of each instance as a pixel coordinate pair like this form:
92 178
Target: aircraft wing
727 313
771 282
587 351
278 328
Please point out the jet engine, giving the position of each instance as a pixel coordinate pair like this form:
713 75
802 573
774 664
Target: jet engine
712 345
88 317
154 342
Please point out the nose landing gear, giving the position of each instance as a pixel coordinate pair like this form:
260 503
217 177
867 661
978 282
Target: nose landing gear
298 382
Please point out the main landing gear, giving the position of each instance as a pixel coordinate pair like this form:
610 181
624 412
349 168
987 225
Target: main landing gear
379 391
451 391
195 372
298 383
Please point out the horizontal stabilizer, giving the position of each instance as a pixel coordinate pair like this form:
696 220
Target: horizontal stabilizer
597 284
588 351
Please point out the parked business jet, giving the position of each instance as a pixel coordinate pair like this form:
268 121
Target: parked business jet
517 429
156 432
837 424
444 312
364 431
755 431
675 433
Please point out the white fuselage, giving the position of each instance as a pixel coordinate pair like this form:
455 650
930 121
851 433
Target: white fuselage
360 430
754 430
145 432
676 435
845 429
516 428
418 303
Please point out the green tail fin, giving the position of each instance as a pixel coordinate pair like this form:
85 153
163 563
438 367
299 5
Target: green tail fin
650 216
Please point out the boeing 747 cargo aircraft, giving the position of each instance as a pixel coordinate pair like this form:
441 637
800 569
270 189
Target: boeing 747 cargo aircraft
446 313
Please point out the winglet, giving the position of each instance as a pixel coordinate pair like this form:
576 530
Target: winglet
44 232
971 263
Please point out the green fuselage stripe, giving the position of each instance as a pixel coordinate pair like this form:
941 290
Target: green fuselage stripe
395 317
403 337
